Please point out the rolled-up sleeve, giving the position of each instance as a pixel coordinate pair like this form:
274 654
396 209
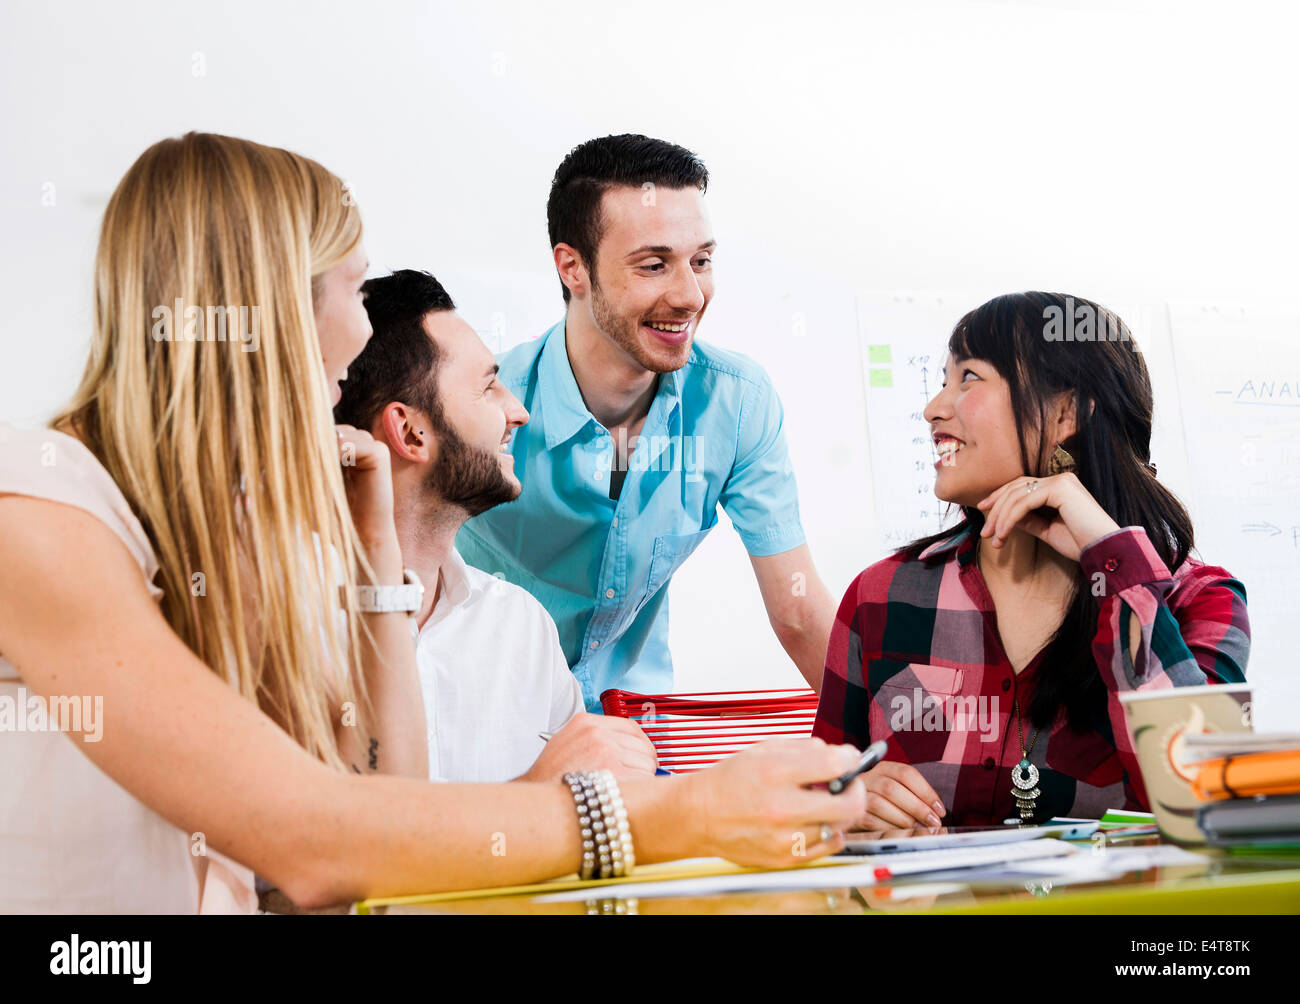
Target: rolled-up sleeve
1193 630
1192 633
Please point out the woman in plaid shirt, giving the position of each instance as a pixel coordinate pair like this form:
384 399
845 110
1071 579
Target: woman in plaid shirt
1068 581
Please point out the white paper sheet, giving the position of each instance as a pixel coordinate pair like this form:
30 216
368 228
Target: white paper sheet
851 872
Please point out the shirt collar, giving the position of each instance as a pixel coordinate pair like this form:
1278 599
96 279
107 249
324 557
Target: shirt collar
565 412
457 589
963 544
457 584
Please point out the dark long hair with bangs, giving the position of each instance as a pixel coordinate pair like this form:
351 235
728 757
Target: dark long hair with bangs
1044 344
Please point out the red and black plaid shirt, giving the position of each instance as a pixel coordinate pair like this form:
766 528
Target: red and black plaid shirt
915 658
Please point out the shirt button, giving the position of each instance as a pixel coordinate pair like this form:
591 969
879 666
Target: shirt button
594 644
988 763
1111 564
1006 685
615 523
598 475
609 594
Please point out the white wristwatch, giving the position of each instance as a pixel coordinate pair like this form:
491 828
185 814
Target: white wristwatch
405 598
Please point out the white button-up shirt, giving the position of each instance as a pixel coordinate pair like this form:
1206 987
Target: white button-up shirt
493 676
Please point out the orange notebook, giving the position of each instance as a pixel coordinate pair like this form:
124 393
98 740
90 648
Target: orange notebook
1249 775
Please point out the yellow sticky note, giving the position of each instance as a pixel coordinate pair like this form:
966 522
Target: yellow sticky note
879 354
882 378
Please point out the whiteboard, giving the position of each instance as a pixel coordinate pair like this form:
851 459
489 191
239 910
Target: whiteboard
1239 375
904 343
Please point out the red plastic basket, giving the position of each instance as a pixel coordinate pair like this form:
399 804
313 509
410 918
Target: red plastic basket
694 731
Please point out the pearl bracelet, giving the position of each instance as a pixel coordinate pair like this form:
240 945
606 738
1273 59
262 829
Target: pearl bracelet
607 850
619 830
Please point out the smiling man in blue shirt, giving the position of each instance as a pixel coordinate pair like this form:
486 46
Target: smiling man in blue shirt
639 432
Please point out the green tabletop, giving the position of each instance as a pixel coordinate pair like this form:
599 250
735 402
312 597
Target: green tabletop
1260 883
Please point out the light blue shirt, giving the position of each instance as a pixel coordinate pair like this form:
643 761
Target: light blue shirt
713 436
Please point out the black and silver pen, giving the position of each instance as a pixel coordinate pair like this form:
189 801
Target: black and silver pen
871 756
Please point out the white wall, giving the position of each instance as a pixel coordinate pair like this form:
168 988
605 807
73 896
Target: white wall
1129 152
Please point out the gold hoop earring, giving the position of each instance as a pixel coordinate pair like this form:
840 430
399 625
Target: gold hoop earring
1060 462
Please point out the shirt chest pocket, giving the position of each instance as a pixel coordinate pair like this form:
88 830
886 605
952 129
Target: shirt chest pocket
914 697
669 552
891 674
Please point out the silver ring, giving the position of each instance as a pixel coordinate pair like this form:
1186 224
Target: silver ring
826 833
1031 487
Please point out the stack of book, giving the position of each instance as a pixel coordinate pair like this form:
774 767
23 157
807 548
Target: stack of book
1250 783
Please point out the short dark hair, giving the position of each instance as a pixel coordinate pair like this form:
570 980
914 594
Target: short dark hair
594 167
400 362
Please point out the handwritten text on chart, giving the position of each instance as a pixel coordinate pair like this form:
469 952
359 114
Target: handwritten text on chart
1278 393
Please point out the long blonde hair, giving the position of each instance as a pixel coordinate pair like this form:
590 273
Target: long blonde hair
226 450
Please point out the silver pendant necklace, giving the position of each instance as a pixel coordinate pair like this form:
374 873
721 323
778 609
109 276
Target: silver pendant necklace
1024 775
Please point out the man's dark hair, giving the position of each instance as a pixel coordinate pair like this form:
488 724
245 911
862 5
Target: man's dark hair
592 168
400 362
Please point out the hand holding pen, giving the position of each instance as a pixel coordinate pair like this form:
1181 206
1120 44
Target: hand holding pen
546 737
871 756
594 742
898 795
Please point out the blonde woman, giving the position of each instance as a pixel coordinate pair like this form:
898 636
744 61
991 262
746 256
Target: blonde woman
164 547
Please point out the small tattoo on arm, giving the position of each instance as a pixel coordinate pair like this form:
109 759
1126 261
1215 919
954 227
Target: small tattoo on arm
374 753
